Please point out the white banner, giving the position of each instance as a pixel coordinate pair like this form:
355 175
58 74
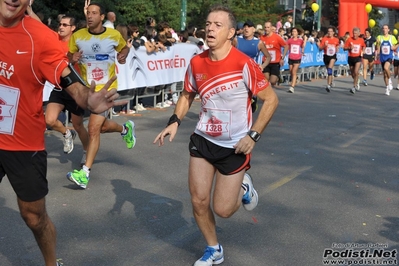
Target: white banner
146 70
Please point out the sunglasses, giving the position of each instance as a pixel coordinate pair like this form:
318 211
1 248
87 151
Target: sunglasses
64 25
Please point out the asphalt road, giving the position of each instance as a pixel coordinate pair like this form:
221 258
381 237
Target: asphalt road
326 170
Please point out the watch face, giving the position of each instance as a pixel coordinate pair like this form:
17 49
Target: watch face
254 135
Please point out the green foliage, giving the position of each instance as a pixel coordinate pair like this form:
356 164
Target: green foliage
374 14
136 11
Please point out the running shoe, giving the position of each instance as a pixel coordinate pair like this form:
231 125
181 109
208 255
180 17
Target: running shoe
365 82
357 87
129 137
68 142
250 198
328 88
387 91
78 177
211 257
397 87
353 90
291 90
372 75
140 107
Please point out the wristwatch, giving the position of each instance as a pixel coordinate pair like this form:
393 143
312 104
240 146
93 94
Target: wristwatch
255 136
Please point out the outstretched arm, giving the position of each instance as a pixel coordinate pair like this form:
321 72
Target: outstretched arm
182 107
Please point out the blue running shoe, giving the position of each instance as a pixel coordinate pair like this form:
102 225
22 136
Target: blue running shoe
211 257
250 198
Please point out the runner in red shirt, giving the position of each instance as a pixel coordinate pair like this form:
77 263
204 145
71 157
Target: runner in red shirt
221 146
273 43
297 48
330 45
355 47
31 54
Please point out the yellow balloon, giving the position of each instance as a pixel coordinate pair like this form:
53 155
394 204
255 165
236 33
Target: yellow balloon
371 23
397 25
395 32
315 7
368 8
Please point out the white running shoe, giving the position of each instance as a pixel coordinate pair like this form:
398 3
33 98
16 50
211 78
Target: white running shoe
211 257
162 105
387 91
140 107
291 89
250 198
68 142
353 90
328 88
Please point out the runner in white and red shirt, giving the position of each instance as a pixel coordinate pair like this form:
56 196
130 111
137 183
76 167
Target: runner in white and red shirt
296 46
221 145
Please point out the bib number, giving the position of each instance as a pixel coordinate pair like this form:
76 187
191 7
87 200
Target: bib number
9 99
356 49
272 55
294 49
330 50
385 49
215 123
97 72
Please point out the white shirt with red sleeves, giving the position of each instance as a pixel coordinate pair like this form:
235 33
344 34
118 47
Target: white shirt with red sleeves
226 88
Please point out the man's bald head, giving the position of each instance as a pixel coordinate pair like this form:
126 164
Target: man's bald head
111 16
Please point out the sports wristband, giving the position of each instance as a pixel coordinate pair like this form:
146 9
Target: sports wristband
174 119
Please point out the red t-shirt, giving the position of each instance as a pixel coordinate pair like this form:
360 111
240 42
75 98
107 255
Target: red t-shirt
358 45
274 43
295 47
331 43
30 54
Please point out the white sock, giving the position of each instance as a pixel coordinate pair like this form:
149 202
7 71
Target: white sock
86 169
216 247
124 130
67 134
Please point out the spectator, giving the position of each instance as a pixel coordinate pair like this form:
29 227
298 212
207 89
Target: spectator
279 24
191 35
287 24
111 18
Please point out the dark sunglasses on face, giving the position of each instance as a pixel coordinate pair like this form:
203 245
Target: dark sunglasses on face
64 25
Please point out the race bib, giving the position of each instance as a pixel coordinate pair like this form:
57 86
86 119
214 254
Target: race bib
9 99
330 50
356 49
215 123
97 72
294 49
386 49
273 55
368 51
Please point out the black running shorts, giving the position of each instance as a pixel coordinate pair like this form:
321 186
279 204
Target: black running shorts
353 60
328 58
224 159
26 171
272 69
63 97
396 63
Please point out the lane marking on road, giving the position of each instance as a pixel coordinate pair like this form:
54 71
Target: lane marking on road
287 179
354 140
